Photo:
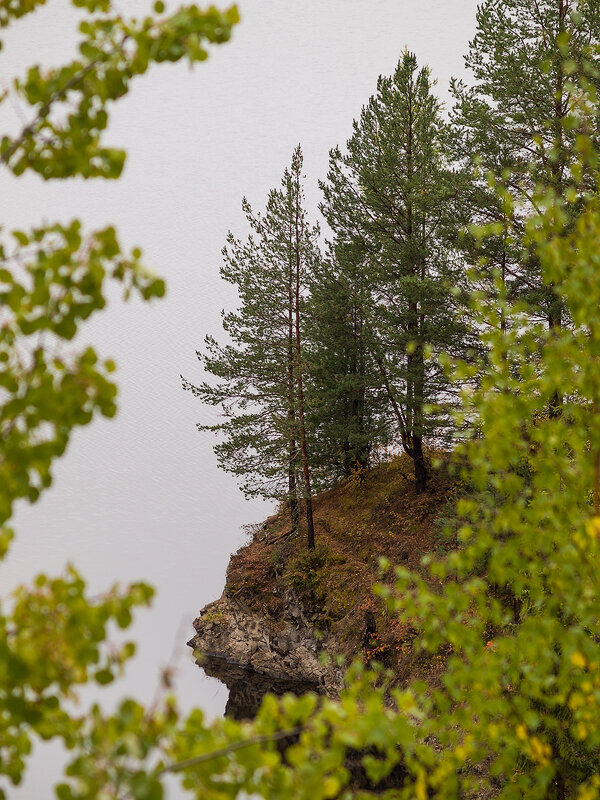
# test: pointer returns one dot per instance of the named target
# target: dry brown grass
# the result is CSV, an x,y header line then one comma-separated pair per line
x,y
369,516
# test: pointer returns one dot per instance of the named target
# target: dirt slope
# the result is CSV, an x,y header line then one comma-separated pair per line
x,y
369,516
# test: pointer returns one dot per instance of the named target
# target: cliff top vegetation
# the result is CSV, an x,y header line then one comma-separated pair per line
x,y
375,513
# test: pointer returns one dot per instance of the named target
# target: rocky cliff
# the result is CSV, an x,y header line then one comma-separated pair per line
x,y
285,650
285,607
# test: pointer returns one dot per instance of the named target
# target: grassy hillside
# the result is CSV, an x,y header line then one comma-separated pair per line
x,y
372,515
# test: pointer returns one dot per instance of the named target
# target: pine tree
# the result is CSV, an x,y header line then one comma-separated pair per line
x,y
303,257
530,60
390,198
260,372
347,409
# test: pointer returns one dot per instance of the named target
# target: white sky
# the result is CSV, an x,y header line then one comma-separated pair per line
x,y
140,496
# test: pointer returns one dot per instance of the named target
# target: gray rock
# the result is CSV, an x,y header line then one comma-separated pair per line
x,y
287,649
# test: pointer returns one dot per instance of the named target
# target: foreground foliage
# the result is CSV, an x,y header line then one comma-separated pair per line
x,y
517,713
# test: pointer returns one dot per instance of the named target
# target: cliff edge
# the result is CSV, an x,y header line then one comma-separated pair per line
x,y
284,607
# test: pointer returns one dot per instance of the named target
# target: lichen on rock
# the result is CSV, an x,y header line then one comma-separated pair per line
x,y
287,649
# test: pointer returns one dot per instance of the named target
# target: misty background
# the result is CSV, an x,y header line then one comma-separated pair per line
x,y
140,496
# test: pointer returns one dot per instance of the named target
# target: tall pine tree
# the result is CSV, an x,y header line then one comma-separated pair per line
x,y
347,407
259,373
389,199
531,63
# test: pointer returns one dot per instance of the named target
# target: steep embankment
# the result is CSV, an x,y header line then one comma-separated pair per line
x,y
283,606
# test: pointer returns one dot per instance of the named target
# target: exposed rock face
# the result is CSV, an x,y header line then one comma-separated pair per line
x,y
285,650
248,687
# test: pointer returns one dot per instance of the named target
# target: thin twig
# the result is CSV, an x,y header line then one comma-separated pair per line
x,y
231,748
45,110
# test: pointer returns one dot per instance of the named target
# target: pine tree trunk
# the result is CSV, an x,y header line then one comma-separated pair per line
x,y
299,382
559,783
306,471
292,493
416,374
350,415
292,488
362,456
303,447
416,363
421,473
555,307
346,447
554,324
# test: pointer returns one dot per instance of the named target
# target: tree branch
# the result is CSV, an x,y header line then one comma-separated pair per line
x,y
179,766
